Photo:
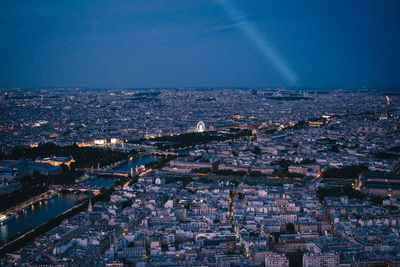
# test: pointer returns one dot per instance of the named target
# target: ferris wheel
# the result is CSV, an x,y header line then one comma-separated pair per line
x,y
200,127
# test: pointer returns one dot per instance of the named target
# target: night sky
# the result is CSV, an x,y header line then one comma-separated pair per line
x,y
186,43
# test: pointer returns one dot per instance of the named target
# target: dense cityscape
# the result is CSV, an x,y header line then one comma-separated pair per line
x,y
199,177
212,133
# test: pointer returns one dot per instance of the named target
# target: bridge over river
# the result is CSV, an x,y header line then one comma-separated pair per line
x,y
81,188
108,172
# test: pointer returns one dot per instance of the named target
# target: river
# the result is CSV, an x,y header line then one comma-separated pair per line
x,y
43,211
39,213
137,161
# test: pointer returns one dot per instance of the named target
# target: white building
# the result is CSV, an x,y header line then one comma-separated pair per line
x,y
276,260
325,259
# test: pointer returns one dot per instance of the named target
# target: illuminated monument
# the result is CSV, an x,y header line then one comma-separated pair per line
x,y
200,127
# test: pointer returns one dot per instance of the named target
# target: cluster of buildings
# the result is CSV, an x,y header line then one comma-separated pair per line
x,y
307,151
247,202
166,220
364,233
274,221
152,223
70,115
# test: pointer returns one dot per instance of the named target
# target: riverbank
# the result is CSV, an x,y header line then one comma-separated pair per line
x,y
124,164
29,236
18,208
43,228
38,213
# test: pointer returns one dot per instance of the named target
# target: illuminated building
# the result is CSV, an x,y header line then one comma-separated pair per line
x,y
57,161
380,183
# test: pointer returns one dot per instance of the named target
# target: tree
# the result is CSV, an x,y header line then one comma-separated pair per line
x,y
395,149
385,155
290,229
334,148
276,236
346,172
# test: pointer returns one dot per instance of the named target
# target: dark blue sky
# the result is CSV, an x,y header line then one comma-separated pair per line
x,y
203,43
